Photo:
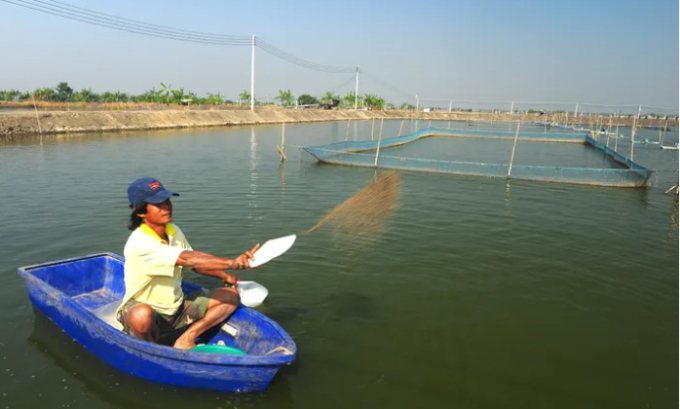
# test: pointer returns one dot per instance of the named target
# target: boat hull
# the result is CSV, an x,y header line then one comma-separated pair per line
x,y
161,363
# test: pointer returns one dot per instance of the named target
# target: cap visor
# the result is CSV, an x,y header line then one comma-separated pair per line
x,y
160,197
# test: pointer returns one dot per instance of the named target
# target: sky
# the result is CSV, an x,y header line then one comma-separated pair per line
x,y
595,51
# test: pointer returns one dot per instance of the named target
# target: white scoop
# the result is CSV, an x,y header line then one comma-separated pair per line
x,y
272,249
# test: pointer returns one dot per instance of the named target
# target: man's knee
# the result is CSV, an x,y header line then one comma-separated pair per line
x,y
140,318
227,295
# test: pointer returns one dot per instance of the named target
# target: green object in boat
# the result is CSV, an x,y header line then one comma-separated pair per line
x,y
218,349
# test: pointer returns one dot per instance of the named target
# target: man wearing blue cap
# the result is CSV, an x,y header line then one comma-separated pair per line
x,y
155,308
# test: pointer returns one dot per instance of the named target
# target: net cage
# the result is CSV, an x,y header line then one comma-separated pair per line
x,y
621,171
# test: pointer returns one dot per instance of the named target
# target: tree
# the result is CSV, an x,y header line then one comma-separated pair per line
x,y
10,95
215,99
328,98
121,97
86,95
244,96
349,99
373,101
63,92
177,95
43,94
166,91
306,99
286,97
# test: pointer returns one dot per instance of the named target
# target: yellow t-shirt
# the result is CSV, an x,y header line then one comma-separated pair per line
x,y
151,276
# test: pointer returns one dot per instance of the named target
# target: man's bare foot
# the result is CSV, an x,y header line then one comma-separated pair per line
x,y
184,343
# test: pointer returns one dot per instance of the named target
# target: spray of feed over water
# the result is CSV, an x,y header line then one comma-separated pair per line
x,y
362,216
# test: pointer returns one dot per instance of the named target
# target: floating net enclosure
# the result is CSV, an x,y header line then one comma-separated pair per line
x,y
602,167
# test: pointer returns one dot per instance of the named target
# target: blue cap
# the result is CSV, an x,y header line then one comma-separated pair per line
x,y
149,190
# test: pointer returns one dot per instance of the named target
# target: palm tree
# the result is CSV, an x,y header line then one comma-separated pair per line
x,y
373,101
165,91
286,97
244,96
349,99
215,99
328,97
177,95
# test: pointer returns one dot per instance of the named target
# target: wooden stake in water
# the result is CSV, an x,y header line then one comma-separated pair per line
x,y
401,127
512,155
616,142
377,151
662,135
372,127
632,133
282,154
36,116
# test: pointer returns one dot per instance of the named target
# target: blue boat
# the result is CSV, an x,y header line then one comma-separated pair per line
x,y
71,292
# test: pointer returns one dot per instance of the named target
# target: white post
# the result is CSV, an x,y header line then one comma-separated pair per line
x,y
512,156
576,110
512,107
417,103
632,133
450,105
377,151
252,76
356,90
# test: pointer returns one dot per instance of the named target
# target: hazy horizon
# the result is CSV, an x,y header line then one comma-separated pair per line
x,y
611,52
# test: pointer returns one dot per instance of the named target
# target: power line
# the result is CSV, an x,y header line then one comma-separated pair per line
x,y
60,9
379,81
109,23
350,79
150,25
277,52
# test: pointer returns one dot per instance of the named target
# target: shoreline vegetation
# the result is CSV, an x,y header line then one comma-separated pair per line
x,y
61,110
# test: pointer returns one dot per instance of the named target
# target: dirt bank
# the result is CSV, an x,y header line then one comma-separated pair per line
x,y
14,125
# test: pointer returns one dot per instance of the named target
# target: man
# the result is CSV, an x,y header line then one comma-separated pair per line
x,y
154,307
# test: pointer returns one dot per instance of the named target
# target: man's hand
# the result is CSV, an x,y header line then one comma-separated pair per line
x,y
242,262
230,280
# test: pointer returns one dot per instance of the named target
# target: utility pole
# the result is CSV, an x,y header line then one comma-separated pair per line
x,y
356,90
252,77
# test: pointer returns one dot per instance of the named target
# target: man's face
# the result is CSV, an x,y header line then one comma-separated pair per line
x,y
159,213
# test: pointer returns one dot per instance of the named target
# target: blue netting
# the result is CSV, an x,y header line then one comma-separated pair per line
x,y
363,153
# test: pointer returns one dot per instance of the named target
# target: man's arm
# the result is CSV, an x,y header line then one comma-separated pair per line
x,y
204,261
228,279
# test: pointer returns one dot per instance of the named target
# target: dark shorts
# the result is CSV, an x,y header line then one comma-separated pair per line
x,y
170,327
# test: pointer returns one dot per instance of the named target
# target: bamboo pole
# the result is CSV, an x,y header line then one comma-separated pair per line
x,y
609,131
401,127
632,139
372,127
512,155
377,151
36,116
282,154
665,126
616,142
